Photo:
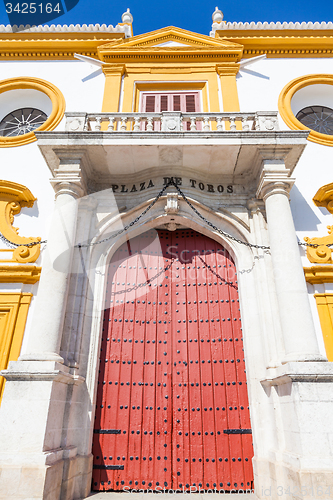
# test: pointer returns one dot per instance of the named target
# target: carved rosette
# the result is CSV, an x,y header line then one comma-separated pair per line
x,y
13,197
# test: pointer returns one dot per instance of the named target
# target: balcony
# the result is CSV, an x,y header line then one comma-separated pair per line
x,y
227,147
172,121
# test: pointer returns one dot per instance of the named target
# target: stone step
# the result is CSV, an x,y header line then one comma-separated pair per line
x,y
115,495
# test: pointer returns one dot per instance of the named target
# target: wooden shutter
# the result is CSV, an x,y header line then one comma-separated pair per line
x,y
150,104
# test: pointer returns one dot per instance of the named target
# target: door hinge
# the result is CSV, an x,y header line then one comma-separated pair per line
x,y
237,431
109,467
107,431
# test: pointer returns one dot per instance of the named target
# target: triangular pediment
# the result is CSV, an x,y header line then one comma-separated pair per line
x,y
175,42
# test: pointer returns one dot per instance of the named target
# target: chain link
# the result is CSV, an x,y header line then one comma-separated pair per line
x,y
145,283
125,228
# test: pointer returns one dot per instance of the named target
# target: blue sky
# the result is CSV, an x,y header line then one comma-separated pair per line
x,y
194,15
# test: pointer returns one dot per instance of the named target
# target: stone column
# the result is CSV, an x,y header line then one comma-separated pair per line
x,y
45,336
298,330
33,423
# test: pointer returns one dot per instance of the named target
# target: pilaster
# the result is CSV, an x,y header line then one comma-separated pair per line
x,y
113,76
227,73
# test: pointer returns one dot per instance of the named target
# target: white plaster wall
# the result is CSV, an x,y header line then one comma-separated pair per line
x,y
82,85
83,89
259,87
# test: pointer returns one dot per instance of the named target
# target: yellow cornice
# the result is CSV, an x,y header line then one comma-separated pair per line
x,y
274,43
318,274
282,43
31,46
27,274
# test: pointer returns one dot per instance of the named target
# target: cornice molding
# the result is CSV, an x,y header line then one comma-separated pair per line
x,y
26,274
277,43
318,274
194,48
53,45
266,26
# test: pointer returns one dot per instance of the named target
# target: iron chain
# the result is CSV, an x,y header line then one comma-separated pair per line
x,y
132,223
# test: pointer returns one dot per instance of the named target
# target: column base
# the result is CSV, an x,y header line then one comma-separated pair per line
x,y
42,356
294,357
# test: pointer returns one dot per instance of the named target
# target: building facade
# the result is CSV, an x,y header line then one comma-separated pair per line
x,y
166,271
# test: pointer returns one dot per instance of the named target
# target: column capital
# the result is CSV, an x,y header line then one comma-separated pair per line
x,y
70,176
114,69
227,69
274,179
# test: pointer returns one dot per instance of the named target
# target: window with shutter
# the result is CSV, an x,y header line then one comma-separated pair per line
x,y
186,102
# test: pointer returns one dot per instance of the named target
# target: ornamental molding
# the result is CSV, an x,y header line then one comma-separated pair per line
x,y
53,93
69,177
324,197
153,47
274,180
26,274
321,253
284,105
318,274
71,28
13,197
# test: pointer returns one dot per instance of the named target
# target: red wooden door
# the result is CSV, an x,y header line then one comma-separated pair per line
x,y
172,406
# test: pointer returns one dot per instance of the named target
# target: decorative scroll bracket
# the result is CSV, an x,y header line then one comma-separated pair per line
x,y
13,197
322,254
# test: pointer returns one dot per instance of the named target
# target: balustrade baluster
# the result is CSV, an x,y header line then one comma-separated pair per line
x,y
98,123
111,124
219,124
206,126
245,124
193,126
150,126
137,120
232,124
123,124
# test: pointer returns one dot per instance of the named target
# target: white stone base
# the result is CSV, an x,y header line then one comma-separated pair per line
x,y
64,480
275,481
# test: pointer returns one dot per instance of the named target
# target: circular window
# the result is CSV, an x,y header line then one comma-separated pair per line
x,y
318,118
21,121
298,111
28,104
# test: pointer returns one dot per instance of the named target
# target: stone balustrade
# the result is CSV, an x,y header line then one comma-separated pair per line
x,y
172,121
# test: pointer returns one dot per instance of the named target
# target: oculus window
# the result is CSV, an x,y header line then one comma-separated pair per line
x,y
21,121
318,118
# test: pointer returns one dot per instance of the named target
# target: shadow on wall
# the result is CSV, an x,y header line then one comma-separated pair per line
x,y
304,217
